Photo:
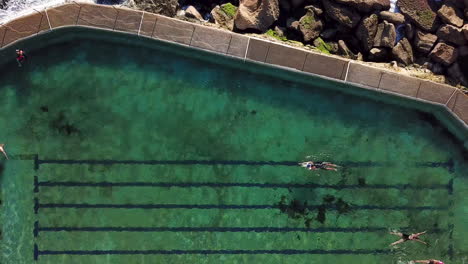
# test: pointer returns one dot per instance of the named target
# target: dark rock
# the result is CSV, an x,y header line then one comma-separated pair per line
x,y
256,14
409,31
222,19
192,12
450,14
296,3
378,54
395,18
310,26
292,24
366,31
437,68
420,12
344,50
3,3
465,31
463,51
342,14
456,73
423,42
333,47
367,5
444,53
451,34
163,7
314,8
403,52
328,33
385,36
285,5
456,3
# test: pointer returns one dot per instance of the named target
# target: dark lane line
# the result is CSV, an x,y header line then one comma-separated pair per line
x,y
223,206
239,184
445,164
38,252
37,230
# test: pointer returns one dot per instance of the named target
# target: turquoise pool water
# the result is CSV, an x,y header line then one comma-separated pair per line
x,y
134,151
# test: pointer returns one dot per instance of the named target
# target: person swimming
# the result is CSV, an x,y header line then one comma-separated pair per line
x,y
20,57
406,237
310,165
429,261
2,149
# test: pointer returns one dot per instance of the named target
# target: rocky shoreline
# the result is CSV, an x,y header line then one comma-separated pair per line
x,y
426,38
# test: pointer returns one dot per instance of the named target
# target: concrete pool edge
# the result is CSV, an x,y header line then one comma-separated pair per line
x,y
245,48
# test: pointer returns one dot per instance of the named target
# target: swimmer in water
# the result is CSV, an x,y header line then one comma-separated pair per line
x,y
20,57
3,150
310,165
406,237
429,261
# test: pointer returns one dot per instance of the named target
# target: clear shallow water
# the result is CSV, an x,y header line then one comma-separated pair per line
x,y
218,145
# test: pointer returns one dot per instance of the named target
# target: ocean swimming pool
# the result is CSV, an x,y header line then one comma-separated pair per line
x,y
133,151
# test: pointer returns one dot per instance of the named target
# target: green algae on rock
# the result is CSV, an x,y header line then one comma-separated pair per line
x,y
274,34
229,9
420,12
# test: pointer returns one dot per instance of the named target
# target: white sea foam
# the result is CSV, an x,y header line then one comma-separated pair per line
x,y
17,8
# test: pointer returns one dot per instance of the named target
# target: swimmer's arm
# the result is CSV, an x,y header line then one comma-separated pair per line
x,y
422,233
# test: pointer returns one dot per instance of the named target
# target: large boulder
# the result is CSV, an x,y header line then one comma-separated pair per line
x,y
192,12
342,14
385,36
451,34
163,7
457,74
310,26
345,51
314,8
378,54
450,14
366,31
444,53
256,14
395,18
367,5
423,42
409,31
421,12
224,16
465,30
403,52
